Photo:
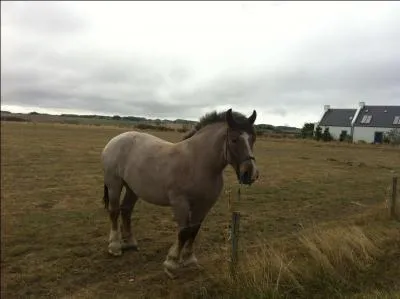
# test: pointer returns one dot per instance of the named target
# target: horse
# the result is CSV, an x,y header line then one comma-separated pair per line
x,y
186,176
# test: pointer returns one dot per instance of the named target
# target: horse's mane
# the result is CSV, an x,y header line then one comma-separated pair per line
x,y
211,118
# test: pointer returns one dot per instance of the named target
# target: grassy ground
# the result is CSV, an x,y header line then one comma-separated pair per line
x,y
314,226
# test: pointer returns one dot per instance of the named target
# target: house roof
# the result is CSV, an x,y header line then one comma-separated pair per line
x,y
337,117
378,116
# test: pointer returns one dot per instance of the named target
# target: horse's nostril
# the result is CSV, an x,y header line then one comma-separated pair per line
x,y
246,177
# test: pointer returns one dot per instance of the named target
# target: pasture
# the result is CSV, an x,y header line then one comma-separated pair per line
x,y
314,225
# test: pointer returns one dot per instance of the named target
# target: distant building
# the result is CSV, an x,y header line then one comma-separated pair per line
x,y
337,120
367,123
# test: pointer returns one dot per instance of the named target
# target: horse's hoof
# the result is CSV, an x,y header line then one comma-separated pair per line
x,y
192,261
171,265
114,253
170,274
115,249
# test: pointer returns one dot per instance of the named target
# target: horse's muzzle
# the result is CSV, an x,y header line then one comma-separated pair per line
x,y
248,173
247,179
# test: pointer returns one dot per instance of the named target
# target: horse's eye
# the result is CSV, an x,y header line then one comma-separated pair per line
x,y
234,140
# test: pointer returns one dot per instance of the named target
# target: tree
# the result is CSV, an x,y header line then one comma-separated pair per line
x,y
307,131
318,133
343,136
326,136
393,137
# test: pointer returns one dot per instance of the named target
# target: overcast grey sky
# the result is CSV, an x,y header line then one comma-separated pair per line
x,y
182,59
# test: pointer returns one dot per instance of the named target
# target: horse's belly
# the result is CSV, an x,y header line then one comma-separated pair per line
x,y
159,201
154,197
151,193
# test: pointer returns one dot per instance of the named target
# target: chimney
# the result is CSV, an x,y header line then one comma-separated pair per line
x,y
361,104
327,107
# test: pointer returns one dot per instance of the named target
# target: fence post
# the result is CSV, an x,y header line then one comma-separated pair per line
x,y
234,237
393,213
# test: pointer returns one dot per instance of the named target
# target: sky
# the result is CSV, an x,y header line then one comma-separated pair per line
x,y
169,60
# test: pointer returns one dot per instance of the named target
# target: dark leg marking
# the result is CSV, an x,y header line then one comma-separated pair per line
x,y
184,235
127,205
114,246
195,231
106,199
190,240
114,213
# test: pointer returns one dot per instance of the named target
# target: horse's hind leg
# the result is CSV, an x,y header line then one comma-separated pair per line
x,y
114,188
127,205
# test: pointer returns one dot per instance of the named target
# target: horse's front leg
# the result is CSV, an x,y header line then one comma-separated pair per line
x,y
197,216
188,256
181,211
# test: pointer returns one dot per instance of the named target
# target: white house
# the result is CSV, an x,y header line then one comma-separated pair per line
x,y
367,123
371,122
337,120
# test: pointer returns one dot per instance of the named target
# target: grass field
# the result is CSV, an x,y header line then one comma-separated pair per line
x,y
314,226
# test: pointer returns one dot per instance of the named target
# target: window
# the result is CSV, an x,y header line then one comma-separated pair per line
x,y
366,119
396,120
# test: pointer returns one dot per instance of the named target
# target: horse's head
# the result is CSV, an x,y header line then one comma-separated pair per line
x,y
239,147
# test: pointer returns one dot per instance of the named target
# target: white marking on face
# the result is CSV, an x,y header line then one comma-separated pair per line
x,y
246,137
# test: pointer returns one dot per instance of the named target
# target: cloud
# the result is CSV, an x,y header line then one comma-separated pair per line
x,y
51,18
176,60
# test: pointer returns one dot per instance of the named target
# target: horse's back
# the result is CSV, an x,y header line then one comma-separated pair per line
x,y
120,146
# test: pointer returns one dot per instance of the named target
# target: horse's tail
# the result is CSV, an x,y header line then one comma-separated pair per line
x,y
105,197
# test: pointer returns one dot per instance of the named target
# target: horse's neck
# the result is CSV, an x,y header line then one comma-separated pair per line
x,y
209,144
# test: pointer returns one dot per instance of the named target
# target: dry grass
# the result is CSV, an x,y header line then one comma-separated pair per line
x,y
336,263
315,225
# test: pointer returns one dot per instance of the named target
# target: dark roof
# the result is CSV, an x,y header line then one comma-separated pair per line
x,y
381,116
338,117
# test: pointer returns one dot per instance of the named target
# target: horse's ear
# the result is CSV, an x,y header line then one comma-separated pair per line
x,y
229,119
253,117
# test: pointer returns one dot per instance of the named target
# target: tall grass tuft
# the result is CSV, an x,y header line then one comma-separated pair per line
x,y
323,264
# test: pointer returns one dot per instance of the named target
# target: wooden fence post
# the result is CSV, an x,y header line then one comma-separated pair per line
x,y
234,237
393,213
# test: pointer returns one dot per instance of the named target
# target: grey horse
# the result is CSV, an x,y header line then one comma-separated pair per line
x,y
186,176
